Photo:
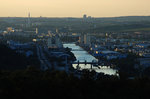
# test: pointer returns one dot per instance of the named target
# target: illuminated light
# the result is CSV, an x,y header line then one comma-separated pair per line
x,y
74,34
116,49
96,46
140,54
96,52
106,34
34,40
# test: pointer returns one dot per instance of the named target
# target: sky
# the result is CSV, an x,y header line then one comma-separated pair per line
x,y
74,8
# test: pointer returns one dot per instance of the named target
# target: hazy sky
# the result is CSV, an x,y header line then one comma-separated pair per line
x,y
74,8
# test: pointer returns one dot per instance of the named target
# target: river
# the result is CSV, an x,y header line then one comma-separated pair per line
x,y
83,55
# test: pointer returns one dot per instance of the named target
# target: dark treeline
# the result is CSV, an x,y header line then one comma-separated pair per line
x,y
10,60
32,83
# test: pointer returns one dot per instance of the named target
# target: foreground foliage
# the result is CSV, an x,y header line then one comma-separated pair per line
x,y
32,83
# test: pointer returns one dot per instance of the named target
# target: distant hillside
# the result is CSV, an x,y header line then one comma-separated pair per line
x,y
127,18
108,24
130,27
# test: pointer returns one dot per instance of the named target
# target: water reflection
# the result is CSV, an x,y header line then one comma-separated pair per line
x,y
82,55
99,69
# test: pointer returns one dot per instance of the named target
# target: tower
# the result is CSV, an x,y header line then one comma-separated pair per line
x,y
29,21
106,37
36,30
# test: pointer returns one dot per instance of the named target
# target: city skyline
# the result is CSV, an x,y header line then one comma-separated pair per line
x,y
74,8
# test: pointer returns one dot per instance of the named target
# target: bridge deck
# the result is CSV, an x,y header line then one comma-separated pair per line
x,y
85,62
77,50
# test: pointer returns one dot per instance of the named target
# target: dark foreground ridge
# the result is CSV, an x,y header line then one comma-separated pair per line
x,y
34,84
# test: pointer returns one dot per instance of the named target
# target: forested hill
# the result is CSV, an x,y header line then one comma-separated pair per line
x,y
34,84
10,60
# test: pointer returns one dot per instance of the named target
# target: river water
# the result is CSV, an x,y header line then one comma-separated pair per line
x,y
83,55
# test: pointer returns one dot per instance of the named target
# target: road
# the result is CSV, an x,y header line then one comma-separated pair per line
x,y
45,64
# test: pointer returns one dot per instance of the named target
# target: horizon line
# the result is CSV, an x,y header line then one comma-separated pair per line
x,y
70,17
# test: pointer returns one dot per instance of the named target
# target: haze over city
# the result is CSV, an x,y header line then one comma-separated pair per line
x,y
74,8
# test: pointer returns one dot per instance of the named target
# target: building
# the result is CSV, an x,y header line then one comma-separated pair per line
x,y
81,39
144,62
85,39
10,29
143,45
84,16
57,31
89,17
109,54
54,41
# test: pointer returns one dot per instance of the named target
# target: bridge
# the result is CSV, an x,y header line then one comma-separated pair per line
x,y
77,50
93,63
85,62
